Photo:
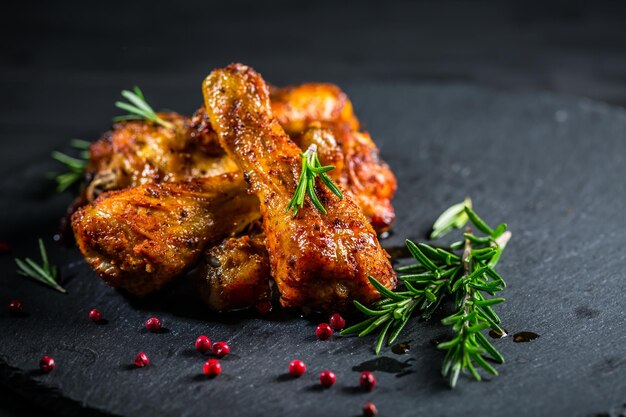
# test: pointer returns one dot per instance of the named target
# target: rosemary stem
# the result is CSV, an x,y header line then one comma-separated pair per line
x,y
437,273
467,269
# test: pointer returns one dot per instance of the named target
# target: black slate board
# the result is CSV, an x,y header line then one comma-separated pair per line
x,y
552,167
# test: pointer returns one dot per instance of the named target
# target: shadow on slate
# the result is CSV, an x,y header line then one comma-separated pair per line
x,y
552,167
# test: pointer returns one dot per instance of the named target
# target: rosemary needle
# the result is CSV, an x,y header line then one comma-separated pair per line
x,y
312,168
138,108
75,166
44,273
454,217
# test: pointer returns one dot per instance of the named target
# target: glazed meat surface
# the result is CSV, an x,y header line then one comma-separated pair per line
x,y
235,274
297,107
139,152
142,237
319,261
366,177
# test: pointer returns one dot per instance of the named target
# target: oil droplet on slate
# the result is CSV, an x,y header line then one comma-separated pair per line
x,y
441,338
524,337
384,364
401,348
497,335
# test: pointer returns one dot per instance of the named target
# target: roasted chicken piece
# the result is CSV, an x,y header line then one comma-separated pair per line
x,y
138,152
142,237
299,108
364,175
216,282
320,261
311,114
235,274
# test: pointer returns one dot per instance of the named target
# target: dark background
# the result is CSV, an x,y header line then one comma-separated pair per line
x,y
79,55
571,47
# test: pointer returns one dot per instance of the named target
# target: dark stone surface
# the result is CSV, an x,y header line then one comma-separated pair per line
x,y
552,167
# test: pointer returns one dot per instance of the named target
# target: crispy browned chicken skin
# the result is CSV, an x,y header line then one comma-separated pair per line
x,y
235,274
244,271
297,107
139,152
319,261
243,263
141,238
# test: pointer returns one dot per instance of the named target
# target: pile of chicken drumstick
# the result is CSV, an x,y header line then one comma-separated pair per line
x,y
213,190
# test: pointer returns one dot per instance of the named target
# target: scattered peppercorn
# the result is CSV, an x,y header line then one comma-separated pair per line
x,y
141,360
369,410
367,380
220,349
327,378
46,364
153,324
337,322
212,368
203,344
323,331
15,308
297,368
95,315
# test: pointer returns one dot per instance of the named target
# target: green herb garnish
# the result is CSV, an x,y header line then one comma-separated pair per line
x,y
44,273
138,108
453,218
312,168
75,166
466,277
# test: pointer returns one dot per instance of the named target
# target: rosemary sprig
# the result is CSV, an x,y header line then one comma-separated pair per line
x,y
468,277
44,273
311,168
138,108
474,313
75,166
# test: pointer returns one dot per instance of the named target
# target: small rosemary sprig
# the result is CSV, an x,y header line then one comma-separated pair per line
x,y
474,313
138,108
467,277
311,168
75,166
44,273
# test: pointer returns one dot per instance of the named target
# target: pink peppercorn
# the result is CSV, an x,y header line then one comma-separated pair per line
x,y
327,378
323,331
297,368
